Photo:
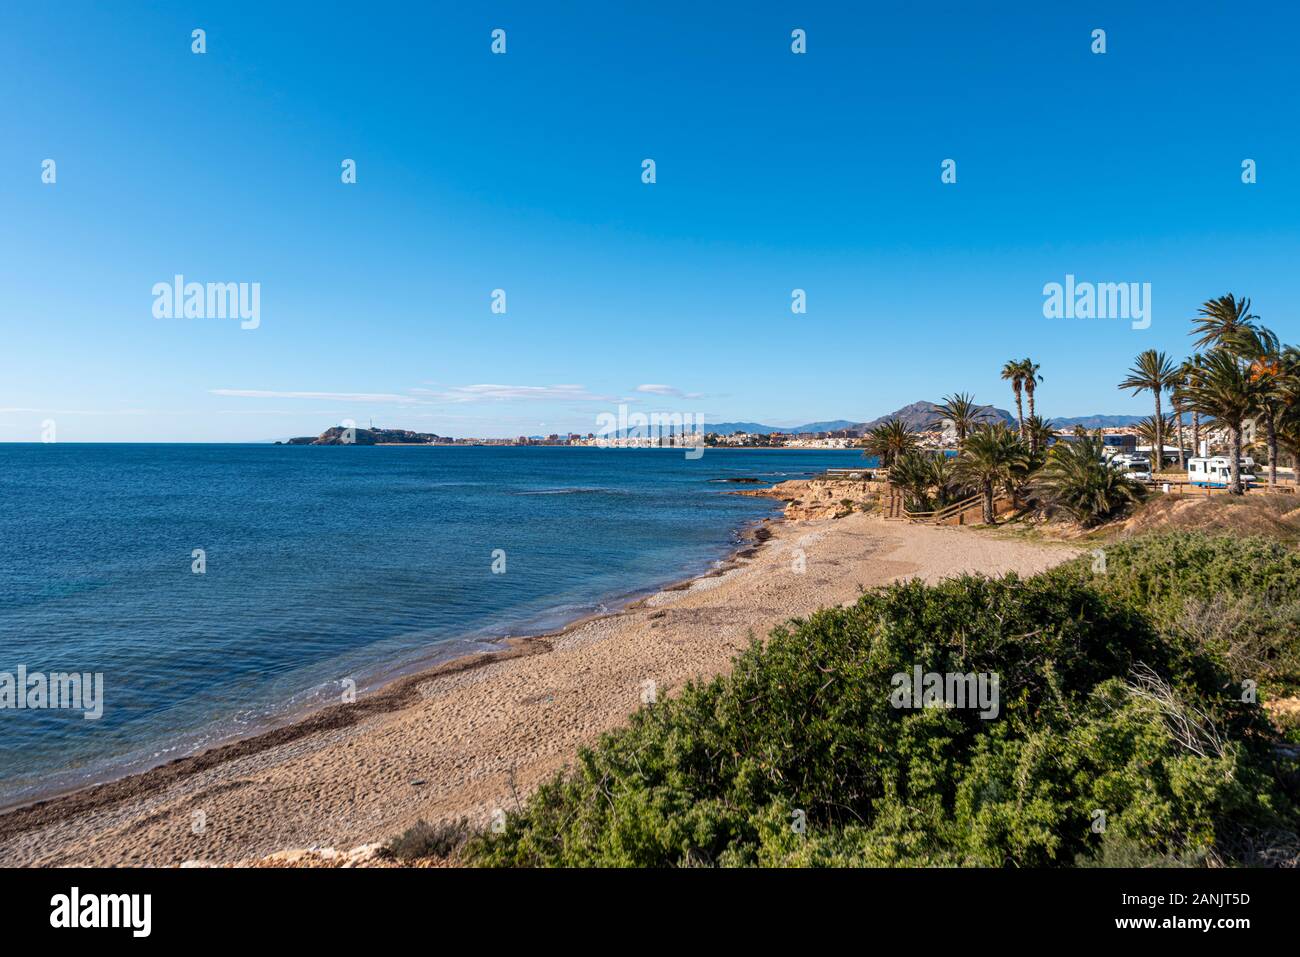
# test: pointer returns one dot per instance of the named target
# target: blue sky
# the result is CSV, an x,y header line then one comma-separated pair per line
x,y
523,172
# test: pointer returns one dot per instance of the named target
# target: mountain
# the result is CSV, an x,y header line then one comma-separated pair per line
x,y
923,416
726,428
920,416
1098,421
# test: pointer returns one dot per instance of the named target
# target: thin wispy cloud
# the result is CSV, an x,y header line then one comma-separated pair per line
x,y
464,394
507,393
27,411
669,390
282,411
329,396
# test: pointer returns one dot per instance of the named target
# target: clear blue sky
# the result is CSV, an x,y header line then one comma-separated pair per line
x,y
523,172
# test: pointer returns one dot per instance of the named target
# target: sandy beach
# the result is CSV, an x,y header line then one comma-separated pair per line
x,y
478,734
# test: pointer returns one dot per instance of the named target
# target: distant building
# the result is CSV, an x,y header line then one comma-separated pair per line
x,y
1119,442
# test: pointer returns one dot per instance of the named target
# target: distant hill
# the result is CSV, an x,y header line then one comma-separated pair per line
x,y
1098,421
726,428
923,415
920,416
339,436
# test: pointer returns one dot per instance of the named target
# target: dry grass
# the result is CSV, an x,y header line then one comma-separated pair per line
x,y
1272,516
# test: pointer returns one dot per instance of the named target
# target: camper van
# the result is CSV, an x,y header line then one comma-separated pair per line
x,y
1216,472
1133,465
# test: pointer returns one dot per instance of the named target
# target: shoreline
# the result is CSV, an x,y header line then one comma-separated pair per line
x,y
472,734
385,689
387,695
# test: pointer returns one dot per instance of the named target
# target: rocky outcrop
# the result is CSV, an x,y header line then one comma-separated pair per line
x,y
338,435
822,498
366,855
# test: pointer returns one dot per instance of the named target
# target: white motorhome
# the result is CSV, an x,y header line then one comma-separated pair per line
x,y
1134,466
1216,471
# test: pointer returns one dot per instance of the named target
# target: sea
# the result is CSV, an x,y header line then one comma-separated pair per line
x,y
222,590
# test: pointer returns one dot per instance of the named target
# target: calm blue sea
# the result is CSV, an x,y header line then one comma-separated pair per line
x,y
322,564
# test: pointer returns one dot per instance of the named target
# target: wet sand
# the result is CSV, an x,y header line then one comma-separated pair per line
x,y
479,733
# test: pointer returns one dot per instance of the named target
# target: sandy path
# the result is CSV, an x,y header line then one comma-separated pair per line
x,y
456,741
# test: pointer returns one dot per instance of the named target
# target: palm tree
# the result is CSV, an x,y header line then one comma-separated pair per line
x,y
1076,480
1269,368
911,473
943,479
889,440
1040,433
927,479
1014,372
1187,371
1176,400
1152,371
1288,425
963,412
1148,428
1032,378
992,456
1288,433
1226,389
1219,318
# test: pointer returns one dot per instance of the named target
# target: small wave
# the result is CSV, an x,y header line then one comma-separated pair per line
x,y
575,490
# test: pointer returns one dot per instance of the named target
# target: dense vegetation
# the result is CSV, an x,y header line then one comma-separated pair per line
x,y
1247,377
1112,710
1077,481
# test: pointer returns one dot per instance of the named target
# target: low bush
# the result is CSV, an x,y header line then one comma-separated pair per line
x,y
1234,599
799,757
424,840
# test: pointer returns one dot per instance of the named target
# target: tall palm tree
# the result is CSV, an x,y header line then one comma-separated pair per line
x,y
1288,435
1152,371
1219,318
1032,378
1014,372
992,456
963,412
1226,389
1288,429
1176,398
889,440
1269,368
1288,426
1187,371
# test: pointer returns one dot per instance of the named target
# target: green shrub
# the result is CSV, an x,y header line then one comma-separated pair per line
x,y
1237,600
1077,481
1099,711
